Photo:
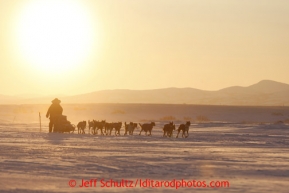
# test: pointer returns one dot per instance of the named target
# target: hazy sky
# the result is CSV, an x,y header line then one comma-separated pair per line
x,y
73,47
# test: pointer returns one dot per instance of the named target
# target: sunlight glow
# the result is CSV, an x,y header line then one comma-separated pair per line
x,y
55,35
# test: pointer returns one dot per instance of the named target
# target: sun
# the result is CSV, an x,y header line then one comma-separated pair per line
x,y
54,35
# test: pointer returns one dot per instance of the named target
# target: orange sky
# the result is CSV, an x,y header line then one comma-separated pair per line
x,y
72,47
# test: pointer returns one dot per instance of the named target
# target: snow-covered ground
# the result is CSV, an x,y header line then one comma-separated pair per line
x,y
239,147
250,157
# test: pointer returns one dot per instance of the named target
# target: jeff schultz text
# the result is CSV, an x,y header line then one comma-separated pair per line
x,y
149,183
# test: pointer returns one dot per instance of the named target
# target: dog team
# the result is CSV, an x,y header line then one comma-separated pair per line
x,y
105,128
59,123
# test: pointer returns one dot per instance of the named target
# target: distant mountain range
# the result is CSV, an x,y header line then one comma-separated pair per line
x,y
264,93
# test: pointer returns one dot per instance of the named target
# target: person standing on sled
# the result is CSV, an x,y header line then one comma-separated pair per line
x,y
54,110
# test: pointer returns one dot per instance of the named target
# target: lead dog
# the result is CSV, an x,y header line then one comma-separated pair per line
x,y
185,129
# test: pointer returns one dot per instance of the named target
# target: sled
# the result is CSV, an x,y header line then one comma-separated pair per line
x,y
62,125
